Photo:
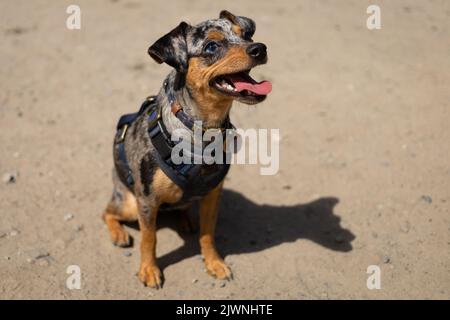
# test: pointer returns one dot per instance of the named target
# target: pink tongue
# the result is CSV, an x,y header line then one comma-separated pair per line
x,y
247,83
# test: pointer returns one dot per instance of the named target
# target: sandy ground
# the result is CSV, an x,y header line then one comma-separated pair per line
x,y
364,174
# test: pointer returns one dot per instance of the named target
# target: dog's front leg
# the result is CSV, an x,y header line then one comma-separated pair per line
x,y
149,272
208,216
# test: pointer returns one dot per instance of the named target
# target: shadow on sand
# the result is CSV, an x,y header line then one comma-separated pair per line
x,y
244,226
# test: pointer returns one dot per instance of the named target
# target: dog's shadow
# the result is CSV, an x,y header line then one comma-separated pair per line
x,y
244,226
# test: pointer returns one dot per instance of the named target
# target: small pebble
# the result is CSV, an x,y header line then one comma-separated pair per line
x,y
10,177
38,255
427,199
14,232
79,227
405,227
223,284
42,255
127,254
43,262
194,280
68,216
287,187
386,259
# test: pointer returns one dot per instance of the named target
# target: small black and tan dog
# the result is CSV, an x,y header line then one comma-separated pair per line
x,y
211,62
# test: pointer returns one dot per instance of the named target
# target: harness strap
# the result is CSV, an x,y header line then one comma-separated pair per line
x,y
128,119
122,167
121,162
193,179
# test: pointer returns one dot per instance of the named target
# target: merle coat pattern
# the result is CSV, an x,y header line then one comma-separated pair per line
x,y
183,48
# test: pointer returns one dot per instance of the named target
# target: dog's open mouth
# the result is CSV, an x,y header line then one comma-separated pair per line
x,y
242,86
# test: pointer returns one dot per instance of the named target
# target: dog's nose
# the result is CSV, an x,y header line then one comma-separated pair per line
x,y
257,51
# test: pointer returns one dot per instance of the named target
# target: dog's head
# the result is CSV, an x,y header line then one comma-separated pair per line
x,y
215,57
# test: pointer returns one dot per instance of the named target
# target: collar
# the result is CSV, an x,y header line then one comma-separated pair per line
x,y
185,118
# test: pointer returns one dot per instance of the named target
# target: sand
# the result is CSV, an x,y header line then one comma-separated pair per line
x,y
364,173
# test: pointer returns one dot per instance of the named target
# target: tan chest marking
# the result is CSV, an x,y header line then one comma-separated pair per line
x,y
165,189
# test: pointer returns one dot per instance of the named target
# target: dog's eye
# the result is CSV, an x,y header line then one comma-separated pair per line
x,y
211,47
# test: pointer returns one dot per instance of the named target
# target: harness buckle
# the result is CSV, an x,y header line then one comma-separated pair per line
x,y
123,133
154,121
151,98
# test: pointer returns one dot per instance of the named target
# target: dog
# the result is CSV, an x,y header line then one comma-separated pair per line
x,y
211,62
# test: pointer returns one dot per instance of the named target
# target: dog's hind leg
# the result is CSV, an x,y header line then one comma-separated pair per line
x,y
121,207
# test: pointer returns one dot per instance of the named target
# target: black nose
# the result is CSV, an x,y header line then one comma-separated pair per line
x,y
257,51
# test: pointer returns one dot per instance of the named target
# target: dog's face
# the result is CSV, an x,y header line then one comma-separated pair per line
x,y
216,57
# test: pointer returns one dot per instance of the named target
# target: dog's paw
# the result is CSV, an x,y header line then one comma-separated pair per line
x,y
150,276
217,268
120,237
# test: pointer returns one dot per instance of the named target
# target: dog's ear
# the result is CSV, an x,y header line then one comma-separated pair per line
x,y
246,25
172,48
224,14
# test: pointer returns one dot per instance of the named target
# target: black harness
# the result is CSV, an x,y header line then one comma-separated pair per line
x,y
195,180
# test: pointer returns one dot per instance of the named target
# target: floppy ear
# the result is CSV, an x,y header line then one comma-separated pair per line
x,y
172,48
247,25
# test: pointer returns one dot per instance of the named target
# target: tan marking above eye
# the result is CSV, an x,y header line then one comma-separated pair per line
x,y
237,29
215,35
